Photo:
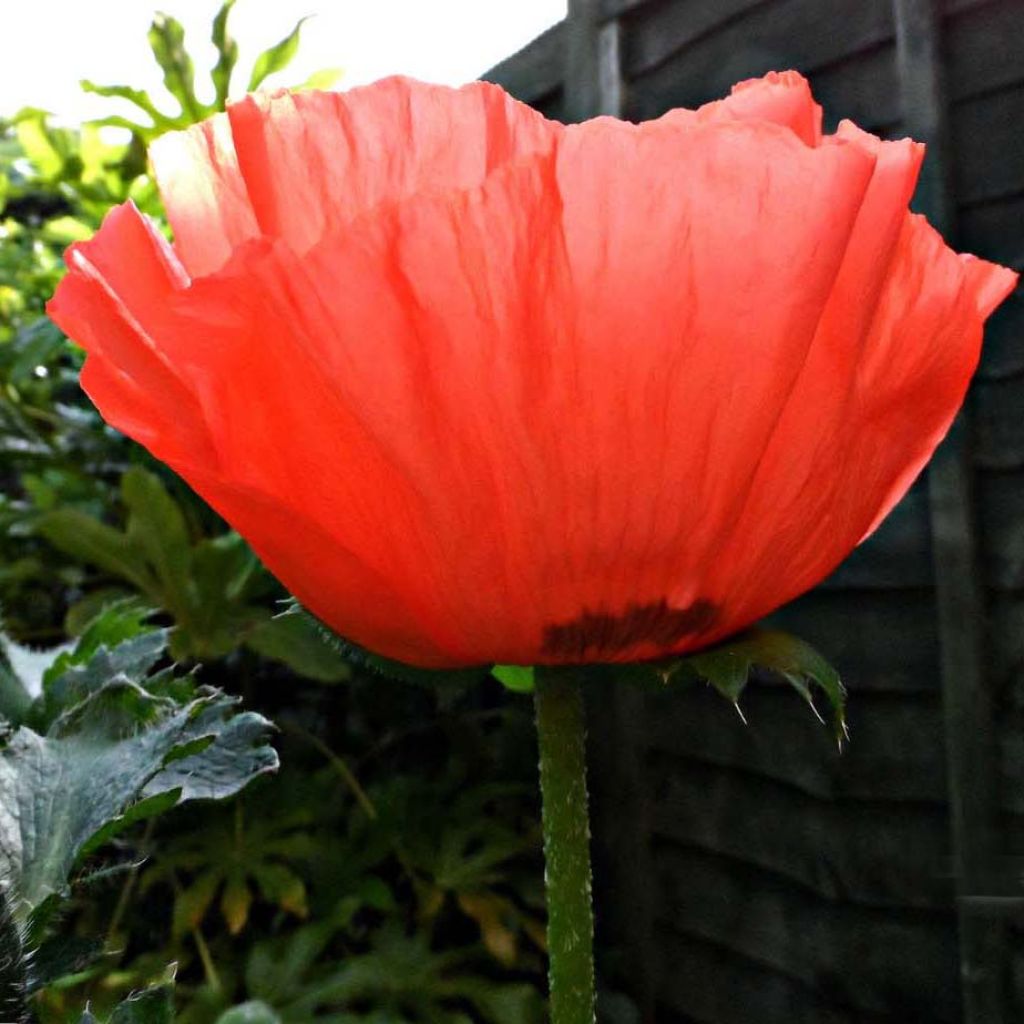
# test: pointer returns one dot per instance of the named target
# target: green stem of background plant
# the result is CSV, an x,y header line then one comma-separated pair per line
x,y
558,698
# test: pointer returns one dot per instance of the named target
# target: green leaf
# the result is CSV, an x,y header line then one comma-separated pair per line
x,y
21,677
297,642
253,1012
134,745
518,678
227,54
152,1006
167,41
192,903
325,78
94,605
93,542
276,57
139,97
156,528
728,666
386,667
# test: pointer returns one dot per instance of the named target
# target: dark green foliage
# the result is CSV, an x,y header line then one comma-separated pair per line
x,y
391,872
14,965
110,740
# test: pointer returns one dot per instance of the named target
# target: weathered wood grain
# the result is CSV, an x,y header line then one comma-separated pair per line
x,y
1001,537
983,48
999,422
874,962
789,33
988,146
863,89
709,984
536,70
881,641
897,555
872,855
895,751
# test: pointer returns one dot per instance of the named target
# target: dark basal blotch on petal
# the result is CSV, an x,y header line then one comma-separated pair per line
x,y
597,635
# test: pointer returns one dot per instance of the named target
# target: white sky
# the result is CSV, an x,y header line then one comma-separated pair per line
x,y
51,44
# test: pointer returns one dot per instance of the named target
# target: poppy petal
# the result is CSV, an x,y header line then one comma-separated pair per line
x,y
480,387
204,194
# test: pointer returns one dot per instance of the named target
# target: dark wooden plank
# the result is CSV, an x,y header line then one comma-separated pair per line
x,y
951,7
593,66
967,703
881,963
1003,353
708,984
662,29
999,423
1001,516
790,33
551,105
872,855
864,90
621,824
897,554
895,753
1006,647
534,71
615,8
994,230
983,48
988,146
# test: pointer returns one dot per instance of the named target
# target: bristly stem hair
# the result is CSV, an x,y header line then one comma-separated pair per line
x,y
561,735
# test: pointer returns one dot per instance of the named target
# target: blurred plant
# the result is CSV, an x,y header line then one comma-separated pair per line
x,y
100,736
388,874
210,586
167,42
56,185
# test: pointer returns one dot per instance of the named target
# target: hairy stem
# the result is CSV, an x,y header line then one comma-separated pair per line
x,y
561,734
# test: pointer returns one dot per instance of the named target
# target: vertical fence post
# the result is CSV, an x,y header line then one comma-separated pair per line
x,y
622,855
967,700
593,68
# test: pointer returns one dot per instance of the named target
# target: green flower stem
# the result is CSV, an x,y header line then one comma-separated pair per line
x,y
558,698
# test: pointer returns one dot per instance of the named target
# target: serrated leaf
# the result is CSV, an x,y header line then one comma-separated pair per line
x,y
275,58
22,670
126,750
62,955
728,666
299,644
152,1006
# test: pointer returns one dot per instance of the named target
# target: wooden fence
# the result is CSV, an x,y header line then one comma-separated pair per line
x,y
750,875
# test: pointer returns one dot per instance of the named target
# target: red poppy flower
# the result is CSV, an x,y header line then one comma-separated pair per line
x,y
478,386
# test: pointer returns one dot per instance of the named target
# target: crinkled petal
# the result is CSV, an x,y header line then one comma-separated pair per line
x,y
481,388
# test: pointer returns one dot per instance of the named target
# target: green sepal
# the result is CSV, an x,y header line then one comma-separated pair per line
x,y
362,658
729,666
517,678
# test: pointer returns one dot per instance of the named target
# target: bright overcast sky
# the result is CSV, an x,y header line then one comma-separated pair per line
x,y
51,44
